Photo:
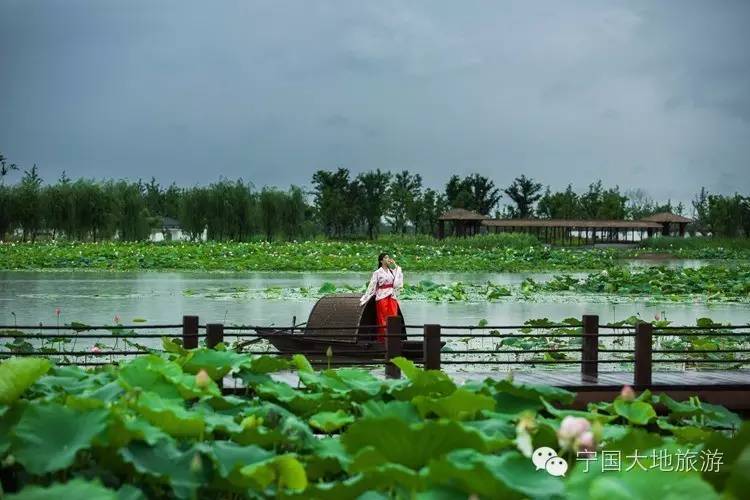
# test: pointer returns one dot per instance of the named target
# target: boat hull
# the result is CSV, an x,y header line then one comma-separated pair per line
x,y
315,347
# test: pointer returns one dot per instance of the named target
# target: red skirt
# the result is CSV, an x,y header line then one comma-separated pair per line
x,y
383,309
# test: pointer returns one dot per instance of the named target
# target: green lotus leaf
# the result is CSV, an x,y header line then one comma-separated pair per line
x,y
510,475
366,484
635,412
17,375
629,439
637,483
425,440
302,364
284,470
216,363
72,380
358,385
171,416
165,378
327,288
299,402
267,364
173,346
48,435
459,405
731,448
532,391
329,421
130,492
495,426
184,470
73,489
126,427
420,382
403,410
231,457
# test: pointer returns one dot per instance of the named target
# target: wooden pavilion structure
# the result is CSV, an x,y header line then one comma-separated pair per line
x,y
462,222
668,221
571,230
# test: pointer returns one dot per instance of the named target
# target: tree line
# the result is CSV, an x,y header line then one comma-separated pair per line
x,y
338,205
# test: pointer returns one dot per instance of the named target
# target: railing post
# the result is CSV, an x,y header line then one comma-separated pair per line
x,y
394,328
214,334
431,347
190,332
590,348
643,355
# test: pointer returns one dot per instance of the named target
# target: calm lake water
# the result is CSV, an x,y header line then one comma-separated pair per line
x,y
159,297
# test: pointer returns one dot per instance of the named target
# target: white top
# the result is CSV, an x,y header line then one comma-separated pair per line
x,y
383,277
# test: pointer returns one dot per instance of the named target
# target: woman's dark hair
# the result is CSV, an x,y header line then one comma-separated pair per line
x,y
380,259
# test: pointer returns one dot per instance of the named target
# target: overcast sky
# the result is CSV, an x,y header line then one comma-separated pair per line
x,y
641,94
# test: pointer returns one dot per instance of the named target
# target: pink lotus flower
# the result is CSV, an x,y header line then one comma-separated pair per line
x,y
57,311
95,349
627,393
571,429
657,317
586,442
117,319
202,379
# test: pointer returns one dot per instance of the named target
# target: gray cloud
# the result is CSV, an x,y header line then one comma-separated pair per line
x,y
641,94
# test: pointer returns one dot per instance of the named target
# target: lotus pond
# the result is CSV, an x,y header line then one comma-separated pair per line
x,y
159,426
488,253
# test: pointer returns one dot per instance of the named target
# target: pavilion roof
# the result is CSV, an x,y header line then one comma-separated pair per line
x,y
462,214
574,223
667,217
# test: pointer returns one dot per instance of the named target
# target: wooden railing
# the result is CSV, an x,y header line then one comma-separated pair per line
x,y
433,356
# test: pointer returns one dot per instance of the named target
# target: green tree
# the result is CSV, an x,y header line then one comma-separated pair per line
x,y
559,205
430,207
373,196
405,190
59,207
524,192
294,213
272,203
474,192
335,199
28,203
5,168
133,218
193,210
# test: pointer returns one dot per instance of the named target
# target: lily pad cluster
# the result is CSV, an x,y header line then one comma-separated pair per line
x,y
712,282
486,253
160,427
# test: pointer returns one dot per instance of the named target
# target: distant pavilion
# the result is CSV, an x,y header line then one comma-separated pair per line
x,y
468,223
462,222
668,221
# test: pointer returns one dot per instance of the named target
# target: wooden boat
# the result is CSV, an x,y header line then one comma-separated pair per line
x,y
339,322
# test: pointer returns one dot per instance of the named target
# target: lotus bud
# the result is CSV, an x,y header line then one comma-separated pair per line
x,y
627,393
252,422
570,429
202,379
329,352
526,424
657,317
196,464
586,441
57,311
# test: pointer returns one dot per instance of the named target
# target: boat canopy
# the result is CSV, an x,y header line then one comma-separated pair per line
x,y
341,317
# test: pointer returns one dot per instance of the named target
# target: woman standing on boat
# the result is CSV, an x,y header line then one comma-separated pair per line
x,y
384,285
